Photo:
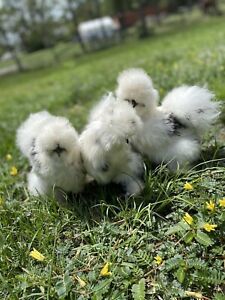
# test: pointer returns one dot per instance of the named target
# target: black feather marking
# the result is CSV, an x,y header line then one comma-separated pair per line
x,y
33,151
81,158
134,103
200,111
105,167
34,156
174,125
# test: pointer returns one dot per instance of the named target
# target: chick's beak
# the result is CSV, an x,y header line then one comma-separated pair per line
x,y
58,150
132,102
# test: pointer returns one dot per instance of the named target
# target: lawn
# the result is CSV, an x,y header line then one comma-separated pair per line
x,y
152,252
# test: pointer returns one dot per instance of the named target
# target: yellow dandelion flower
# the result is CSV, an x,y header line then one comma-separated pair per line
x,y
209,227
222,202
210,205
8,157
195,295
158,259
187,218
37,255
188,186
13,171
105,270
81,282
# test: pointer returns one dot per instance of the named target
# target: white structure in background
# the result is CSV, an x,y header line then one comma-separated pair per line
x,y
99,32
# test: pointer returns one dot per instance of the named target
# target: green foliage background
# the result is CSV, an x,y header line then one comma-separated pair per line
x,y
98,226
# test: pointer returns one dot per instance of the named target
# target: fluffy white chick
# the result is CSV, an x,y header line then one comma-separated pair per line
x,y
171,132
106,150
54,154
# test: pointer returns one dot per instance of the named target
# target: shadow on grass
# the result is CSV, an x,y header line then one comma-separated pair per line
x,y
97,202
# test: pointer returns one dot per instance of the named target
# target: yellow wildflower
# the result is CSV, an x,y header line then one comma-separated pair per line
x,y
158,259
105,270
210,205
209,227
187,218
195,295
81,282
8,156
13,171
37,255
222,202
188,186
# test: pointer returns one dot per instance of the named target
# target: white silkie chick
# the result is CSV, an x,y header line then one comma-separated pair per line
x,y
171,132
52,147
105,145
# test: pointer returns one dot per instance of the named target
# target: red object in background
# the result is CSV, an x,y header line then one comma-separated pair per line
x,y
129,18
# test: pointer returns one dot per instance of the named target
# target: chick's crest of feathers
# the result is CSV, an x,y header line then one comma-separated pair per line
x,y
103,109
29,129
117,121
136,87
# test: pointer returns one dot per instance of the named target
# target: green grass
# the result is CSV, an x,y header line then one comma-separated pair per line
x,y
99,226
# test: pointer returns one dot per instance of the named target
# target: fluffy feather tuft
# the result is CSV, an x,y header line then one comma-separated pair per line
x,y
29,129
136,87
193,106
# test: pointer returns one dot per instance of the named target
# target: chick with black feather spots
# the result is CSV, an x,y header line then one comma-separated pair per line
x,y
171,133
106,151
51,144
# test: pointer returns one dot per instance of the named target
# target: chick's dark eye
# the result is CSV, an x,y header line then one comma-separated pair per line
x,y
134,103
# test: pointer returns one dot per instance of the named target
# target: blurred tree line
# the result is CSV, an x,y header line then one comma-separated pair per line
x,y
31,25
